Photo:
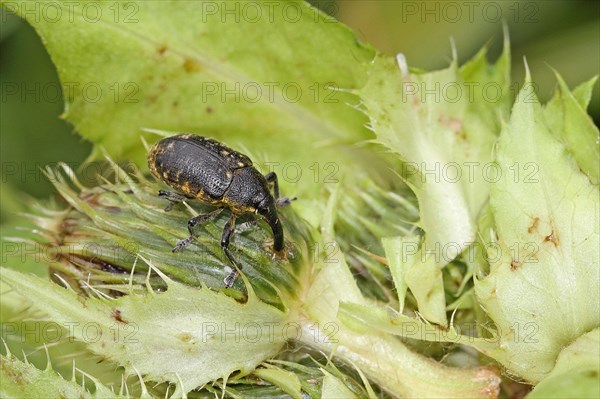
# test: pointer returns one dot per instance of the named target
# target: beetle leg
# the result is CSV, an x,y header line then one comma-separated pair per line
x,y
173,198
182,244
227,232
271,177
192,223
203,218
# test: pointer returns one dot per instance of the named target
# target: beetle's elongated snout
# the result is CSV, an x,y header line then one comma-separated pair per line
x,y
269,211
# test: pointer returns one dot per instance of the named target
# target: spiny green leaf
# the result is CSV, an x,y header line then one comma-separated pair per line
x,y
583,92
443,125
545,269
333,388
398,262
413,269
417,117
286,380
23,380
186,336
548,246
576,372
383,359
568,120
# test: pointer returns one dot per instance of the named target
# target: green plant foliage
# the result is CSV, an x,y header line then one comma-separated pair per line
x,y
568,120
575,374
236,79
543,256
184,325
432,121
22,379
400,240
539,287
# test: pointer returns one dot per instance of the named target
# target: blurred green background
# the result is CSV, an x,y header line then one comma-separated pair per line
x,y
564,35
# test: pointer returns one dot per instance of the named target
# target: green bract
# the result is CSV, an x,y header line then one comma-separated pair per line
x,y
543,254
454,223
443,128
161,316
23,379
185,336
545,267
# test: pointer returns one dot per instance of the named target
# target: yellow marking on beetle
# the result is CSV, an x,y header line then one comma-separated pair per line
x,y
237,207
228,174
186,188
154,151
224,152
240,164
203,197
152,160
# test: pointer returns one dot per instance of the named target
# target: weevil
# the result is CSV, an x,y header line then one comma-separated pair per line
x,y
206,170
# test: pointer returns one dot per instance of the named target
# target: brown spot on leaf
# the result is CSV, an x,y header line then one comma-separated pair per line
x,y
514,265
185,337
15,376
453,124
191,65
209,110
592,374
534,226
116,314
552,238
162,49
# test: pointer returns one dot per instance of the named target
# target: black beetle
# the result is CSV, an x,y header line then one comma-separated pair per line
x,y
204,169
